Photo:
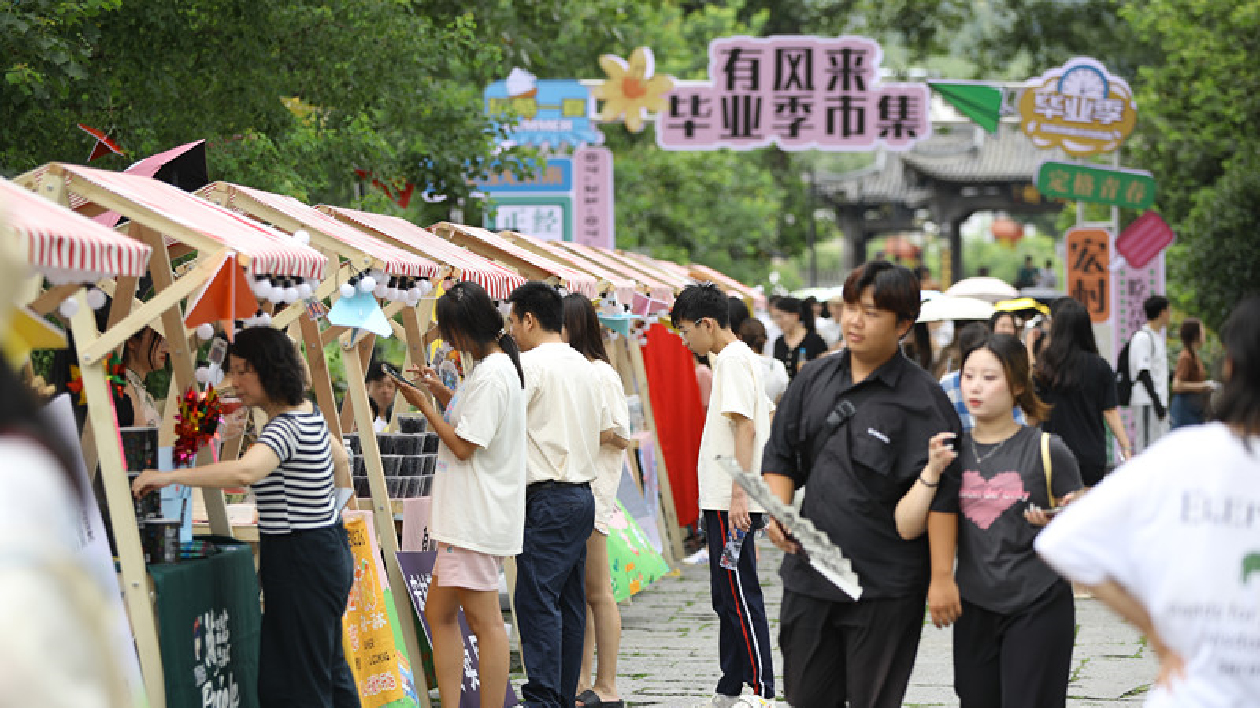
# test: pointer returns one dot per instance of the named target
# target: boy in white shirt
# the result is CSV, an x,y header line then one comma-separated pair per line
x,y
563,413
1148,365
737,425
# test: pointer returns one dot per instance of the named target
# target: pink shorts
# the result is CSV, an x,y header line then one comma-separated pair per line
x,y
461,568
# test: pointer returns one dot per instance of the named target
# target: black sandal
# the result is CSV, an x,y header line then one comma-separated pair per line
x,y
588,699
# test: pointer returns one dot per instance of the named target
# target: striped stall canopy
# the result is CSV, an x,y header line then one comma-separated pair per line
x,y
271,252
65,245
704,272
494,246
623,286
657,288
498,281
395,260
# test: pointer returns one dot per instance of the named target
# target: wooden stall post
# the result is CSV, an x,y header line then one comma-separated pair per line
x,y
134,582
321,381
382,510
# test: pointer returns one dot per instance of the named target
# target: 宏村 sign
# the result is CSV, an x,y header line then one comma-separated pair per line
x,y
1130,189
1088,274
797,92
1079,107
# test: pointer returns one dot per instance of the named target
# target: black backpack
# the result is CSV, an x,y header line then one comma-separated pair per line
x,y
1124,380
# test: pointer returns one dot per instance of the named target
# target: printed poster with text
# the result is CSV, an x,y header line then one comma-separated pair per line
x,y
367,634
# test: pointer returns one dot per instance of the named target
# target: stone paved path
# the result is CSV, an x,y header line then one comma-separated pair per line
x,y
669,649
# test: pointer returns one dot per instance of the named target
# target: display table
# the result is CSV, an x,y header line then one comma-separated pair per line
x,y
209,626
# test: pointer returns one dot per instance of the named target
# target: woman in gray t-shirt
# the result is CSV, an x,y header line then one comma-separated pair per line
x,y
1015,617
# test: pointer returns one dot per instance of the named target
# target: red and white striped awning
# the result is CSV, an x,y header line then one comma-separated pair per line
x,y
704,272
66,246
498,281
395,260
657,289
270,251
573,280
623,286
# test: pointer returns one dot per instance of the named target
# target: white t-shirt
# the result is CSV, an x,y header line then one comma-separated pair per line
x,y
615,416
737,389
775,377
479,503
1179,526
563,407
1149,351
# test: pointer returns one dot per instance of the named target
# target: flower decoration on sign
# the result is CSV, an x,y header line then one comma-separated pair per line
x,y
632,87
196,423
115,376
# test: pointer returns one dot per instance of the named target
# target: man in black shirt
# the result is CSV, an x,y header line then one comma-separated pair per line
x,y
853,428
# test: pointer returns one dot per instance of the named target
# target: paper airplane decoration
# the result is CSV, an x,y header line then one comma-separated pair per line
x,y
104,144
980,102
225,298
360,312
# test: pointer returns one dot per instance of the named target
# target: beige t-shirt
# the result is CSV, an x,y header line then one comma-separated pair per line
x,y
737,389
615,417
479,503
563,407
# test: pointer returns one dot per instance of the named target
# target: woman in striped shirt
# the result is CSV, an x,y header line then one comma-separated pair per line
x,y
305,567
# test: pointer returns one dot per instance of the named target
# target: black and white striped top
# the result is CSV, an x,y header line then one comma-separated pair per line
x,y
298,494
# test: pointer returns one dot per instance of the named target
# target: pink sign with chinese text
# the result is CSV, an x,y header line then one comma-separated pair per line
x,y
593,184
798,92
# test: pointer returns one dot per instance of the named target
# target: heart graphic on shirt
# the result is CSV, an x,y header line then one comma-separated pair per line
x,y
984,500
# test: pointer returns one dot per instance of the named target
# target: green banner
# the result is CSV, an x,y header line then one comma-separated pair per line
x,y
1130,189
209,625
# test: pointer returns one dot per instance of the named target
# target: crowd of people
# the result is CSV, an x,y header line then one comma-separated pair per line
x,y
993,495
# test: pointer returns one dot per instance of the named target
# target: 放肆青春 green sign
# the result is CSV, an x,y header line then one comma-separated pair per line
x,y
1130,189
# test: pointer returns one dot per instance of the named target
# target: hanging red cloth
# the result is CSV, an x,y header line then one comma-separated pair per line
x,y
671,375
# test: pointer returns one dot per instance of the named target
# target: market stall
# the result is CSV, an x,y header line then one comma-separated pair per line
x,y
215,243
623,287
657,289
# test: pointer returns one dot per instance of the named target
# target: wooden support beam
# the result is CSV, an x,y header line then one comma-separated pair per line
x,y
364,354
167,300
673,532
133,576
382,511
321,381
52,297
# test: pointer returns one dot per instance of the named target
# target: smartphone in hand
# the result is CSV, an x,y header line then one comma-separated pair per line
x,y
394,373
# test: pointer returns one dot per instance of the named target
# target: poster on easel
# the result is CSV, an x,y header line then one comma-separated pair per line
x,y
417,569
632,560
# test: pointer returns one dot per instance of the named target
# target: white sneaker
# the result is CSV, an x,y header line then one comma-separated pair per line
x,y
720,701
753,702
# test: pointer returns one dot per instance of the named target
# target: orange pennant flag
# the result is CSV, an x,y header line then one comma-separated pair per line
x,y
225,298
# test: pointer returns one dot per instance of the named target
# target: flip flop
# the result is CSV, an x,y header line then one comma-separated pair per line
x,y
588,699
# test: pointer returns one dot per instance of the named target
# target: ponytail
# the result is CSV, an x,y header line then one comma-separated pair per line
x,y
508,345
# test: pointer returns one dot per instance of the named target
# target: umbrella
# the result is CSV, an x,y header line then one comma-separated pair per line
x,y
1045,296
948,307
983,288
820,294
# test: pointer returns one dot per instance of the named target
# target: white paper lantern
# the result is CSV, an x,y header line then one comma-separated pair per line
x,y
68,308
305,290
261,287
203,374
347,290
291,294
263,320
302,237
275,294
380,289
96,298
205,331
425,287
367,284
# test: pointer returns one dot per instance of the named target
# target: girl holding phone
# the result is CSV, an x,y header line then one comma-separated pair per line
x,y
478,490
1014,617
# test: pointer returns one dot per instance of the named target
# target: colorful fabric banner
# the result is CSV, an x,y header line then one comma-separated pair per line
x,y
368,635
634,563
671,374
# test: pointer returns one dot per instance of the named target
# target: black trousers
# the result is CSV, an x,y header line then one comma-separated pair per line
x,y
1020,660
744,649
855,654
306,578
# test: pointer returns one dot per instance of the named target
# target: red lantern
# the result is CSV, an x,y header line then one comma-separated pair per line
x,y
1007,231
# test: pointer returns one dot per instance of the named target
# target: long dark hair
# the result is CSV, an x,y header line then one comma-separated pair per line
x,y
1191,328
1239,401
466,315
1071,343
582,324
798,308
274,357
1013,356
